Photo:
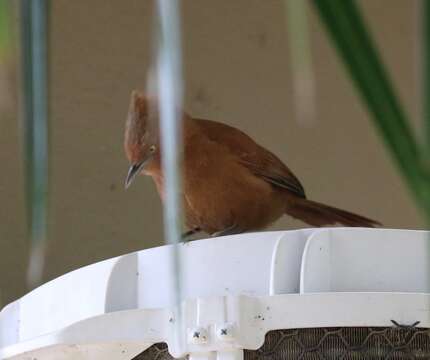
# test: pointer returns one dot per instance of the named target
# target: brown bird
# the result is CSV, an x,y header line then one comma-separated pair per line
x,y
230,183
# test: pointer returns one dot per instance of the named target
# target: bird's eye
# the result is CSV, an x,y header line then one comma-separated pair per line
x,y
152,148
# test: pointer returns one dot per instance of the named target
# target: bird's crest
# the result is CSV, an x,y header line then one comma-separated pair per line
x,y
141,124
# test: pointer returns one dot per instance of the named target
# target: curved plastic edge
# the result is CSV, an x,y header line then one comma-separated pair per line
x,y
303,261
131,331
286,262
362,259
250,318
105,351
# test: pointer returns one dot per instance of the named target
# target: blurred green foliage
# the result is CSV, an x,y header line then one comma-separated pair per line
x,y
301,61
5,28
426,74
350,35
34,51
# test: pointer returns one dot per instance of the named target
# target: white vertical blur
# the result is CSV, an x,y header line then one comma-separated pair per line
x,y
170,87
301,61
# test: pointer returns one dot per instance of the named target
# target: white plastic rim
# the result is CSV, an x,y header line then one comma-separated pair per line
x,y
252,283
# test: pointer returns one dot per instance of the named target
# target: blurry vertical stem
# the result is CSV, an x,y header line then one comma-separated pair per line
x,y
426,76
348,32
169,71
34,32
301,61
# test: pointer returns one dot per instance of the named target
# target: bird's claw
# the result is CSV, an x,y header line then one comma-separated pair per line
x,y
403,326
186,236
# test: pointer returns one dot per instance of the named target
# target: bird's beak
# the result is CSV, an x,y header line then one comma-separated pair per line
x,y
133,171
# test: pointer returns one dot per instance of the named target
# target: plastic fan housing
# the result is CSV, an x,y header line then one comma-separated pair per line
x,y
333,293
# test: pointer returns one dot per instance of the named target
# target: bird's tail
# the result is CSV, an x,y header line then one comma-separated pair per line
x,y
317,214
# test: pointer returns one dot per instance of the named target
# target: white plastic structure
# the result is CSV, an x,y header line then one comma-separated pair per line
x,y
235,290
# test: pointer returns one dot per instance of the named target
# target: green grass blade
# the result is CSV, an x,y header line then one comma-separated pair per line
x,y
34,33
426,76
349,34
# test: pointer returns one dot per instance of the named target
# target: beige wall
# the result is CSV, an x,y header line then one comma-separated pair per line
x,y
237,71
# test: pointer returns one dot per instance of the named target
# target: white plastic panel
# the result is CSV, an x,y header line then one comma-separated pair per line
x,y
127,330
251,282
134,331
102,351
240,264
64,301
229,265
9,324
348,259
286,262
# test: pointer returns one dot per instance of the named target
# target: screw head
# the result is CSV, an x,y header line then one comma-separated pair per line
x,y
225,332
197,336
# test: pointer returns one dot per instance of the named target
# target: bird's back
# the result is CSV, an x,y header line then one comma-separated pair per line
x,y
271,180
260,161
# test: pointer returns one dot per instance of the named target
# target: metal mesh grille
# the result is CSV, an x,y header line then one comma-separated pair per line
x,y
352,343
155,352
344,343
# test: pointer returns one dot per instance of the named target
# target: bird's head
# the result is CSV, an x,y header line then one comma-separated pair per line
x,y
141,141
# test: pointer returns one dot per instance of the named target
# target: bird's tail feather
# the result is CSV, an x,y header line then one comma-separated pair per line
x,y
317,214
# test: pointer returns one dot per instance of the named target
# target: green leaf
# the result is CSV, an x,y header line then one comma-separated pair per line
x,y
349,34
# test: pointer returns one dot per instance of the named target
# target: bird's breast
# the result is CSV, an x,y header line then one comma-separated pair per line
x,y
225,194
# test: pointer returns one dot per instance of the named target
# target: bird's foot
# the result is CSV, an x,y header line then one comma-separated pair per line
x,y
231,230
403,326
186,236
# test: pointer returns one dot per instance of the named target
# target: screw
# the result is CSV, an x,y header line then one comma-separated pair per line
x,y
197,336
225,332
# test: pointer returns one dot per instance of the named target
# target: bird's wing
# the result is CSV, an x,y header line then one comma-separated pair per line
x,y
257,159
